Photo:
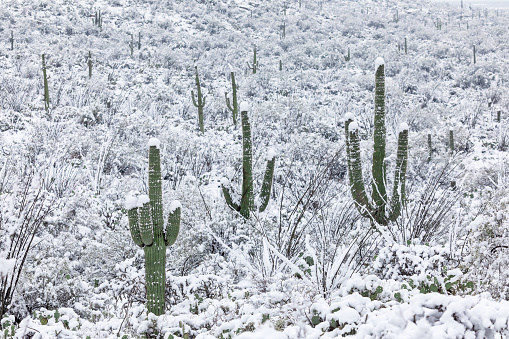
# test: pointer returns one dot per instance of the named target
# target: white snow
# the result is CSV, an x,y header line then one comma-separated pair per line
x,y
353,126
143,199
244,106
174,205
154,142
271,153
131,202
6,266
349,116
378,62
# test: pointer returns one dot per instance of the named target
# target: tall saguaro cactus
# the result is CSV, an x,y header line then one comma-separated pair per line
x,y
45,80
233,106
254,65
89,62
246,204
376,209
146,223
199,102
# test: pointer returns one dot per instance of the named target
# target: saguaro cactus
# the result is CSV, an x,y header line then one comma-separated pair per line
x,y
375,210
347,57
254,65
475,59
12,41
233,107
146,223
89,62
45,80
199,102
246,204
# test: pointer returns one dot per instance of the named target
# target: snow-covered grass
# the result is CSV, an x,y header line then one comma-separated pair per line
x,y
309,266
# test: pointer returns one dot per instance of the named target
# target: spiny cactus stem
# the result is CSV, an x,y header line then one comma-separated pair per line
x,y
379,194
247,200
233,106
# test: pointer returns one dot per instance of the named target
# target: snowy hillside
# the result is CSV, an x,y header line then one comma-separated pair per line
x,y
297,212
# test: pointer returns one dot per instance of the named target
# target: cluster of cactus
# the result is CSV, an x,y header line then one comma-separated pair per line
x,y
376,210
233,106
45,81
199,102
246,204
254,65
98,19
146,223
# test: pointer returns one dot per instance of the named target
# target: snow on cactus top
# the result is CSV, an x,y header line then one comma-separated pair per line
x,y
379,62
353,126
131,202
174,205
349,116
403,127
143,199
271,154
244,106
154,142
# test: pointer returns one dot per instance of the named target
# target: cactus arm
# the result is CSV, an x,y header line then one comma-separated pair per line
x,y
173,225
228,198
233,106
379,195
194,101
228,101
247,200
134,227
267,184
355,175
146,229
398,192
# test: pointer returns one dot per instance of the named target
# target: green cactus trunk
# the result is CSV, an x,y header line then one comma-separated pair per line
x,y
378,193
146,224
199,102
89,64
46,89
233,106
247,200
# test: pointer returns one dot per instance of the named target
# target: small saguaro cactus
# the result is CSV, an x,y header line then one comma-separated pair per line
x,y
474,54
146,223
199,102
131,44
376,209
246,203
347,57
254,65
430,148
233,106
406,47
45,80
451,141
283,30
139,40
89,62
12,41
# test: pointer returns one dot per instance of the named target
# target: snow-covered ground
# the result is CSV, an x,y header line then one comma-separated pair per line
x,y
308,266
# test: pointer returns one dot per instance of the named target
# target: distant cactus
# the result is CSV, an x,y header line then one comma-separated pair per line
x,y
89,62
254,65
45,80
12,41
246,203
474,55
406,47
131,44
233,106
139,40
347,57
146,223
451,141
199,102
376,209
430,148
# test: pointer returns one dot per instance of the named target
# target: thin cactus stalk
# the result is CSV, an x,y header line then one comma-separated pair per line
x,y
199,102
376,209
89,64
12,41
283,30
498,115
246,205
406,47
45,79
131,44
139,40
146,224
347,57
280,65
474,55
254,65
430,148
451,141
233,106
